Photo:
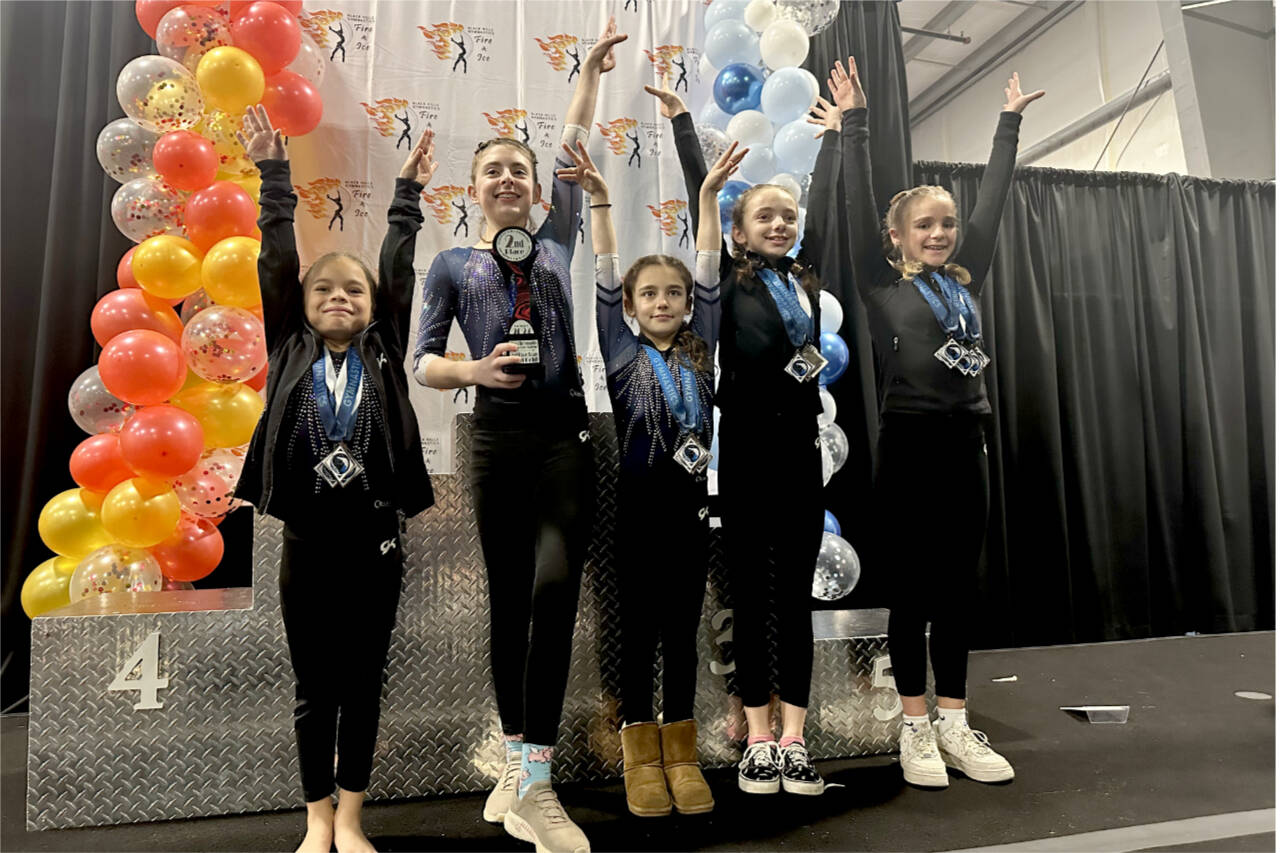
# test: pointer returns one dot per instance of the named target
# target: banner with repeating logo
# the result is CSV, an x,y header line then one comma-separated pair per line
x,y
474,70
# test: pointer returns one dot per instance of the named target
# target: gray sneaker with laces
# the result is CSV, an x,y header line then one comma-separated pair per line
x,y
503,793
538,817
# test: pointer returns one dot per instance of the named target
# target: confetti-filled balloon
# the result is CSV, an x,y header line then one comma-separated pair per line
x,y
159,93
93,407
712,140
813,15
220,129
147,207
225,344
115,568
207,489
187,33
310,61
838,569
124,150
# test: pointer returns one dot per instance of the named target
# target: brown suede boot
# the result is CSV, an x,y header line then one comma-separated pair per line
x,y
689,791
642,771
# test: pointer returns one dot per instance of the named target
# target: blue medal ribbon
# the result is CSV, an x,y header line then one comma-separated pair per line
x,y
339,425
799,325
959,317
683,403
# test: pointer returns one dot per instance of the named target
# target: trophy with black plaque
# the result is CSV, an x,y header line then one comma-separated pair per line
x,y
514,247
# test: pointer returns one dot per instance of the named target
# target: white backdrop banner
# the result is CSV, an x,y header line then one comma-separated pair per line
x,y
474,70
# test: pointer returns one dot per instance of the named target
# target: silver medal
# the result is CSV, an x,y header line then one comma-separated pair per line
x,y
692,456
340,467
806,364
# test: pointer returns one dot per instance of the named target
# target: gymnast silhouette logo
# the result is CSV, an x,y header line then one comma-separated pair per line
x,y
448,203
669,61
560,51
634,5
392,117
512,123
673,217
620,133
324,198
447,41
328,30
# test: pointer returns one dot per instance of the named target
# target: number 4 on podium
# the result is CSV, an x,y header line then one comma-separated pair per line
x,y
147,658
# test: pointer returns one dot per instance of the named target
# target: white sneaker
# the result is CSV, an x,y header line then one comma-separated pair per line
x,y
918,755
970,752
538,817
504,793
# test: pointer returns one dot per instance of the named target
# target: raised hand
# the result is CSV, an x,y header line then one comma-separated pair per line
x,y
1014,100
583,172
723,168
670,104
824,113
600,57
258,138
846,88
421,165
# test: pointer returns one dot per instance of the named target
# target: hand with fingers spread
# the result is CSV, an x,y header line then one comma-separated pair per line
x,y
670,104
600,58
724,167
258,138
488,371
584,173
422,165
846,87
824,113
1014,100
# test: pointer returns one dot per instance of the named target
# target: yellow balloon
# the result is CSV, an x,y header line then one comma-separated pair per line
x,y
230,79
220,129
230,272
70,528
141,513
227,411
48,586
167,266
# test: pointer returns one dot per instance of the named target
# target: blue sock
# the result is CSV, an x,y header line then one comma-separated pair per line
x,y
513,744
535,765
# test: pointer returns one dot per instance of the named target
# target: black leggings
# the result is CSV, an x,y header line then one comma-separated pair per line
x,y
932,491
770,483
338,597
661,539
532,495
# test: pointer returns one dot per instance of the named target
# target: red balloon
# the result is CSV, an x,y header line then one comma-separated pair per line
x,y
162,441
292,103
186,160
192,552
268,33
124,270
142,367
122,311
150,12
219,211
98,465
258,381
238,7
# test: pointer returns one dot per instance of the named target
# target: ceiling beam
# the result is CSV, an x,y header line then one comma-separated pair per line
x,y
939,22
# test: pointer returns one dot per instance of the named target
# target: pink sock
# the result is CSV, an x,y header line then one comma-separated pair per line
x,y
755,739
790,739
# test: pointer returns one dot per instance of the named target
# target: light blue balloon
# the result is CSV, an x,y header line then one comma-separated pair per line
x,y
787,95
794,147
712,114
727,197
757,165
732,41
836,352
737,88
829,523
725,10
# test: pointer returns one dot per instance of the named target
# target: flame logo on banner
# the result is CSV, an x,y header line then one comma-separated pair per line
x,y
666,214
506,122
439,201
615,133
440,38
661,56
555,49
316,193
316,25
383,111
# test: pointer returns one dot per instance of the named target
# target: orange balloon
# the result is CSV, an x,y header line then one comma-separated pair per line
x,y
221,210
132,308
98,464
192,552
167,266
142,367
230,272
138,514
228,412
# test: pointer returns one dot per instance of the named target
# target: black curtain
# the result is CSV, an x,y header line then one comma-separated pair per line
x,y
59,254
1131,324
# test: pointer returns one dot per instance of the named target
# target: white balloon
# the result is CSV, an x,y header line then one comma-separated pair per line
x,y
706,71
714,116
750,127
828,415
724,10
788,94
788,182
760,14
832,312
784,44
757,165
732,41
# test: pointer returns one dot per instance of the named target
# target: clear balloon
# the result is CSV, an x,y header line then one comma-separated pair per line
x,y
47,587
828,415
124,150
159,94
795,148
115,568
225,344
832,312
757,165
147,207
194,304
788,94
813,15
759,14
95,409
838,569
836,444
750,128
310,61
713,116
220,129
724,10
737,87
836,352
187,33
712,141
784,44
207,490
732,41
728,196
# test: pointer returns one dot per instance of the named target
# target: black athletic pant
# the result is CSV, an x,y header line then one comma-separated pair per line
x,y
770,485
532,493
661,538
932,492
338,597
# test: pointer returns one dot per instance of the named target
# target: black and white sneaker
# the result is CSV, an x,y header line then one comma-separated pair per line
x,y
798,773
760,770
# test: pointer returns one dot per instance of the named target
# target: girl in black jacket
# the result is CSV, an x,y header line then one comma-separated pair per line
x,y
337,457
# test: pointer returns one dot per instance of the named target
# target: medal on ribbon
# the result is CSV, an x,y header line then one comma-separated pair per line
x,y
960,320
337,395
807,361
691,454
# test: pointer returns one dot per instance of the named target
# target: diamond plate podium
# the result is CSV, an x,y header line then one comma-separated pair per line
x,y
221,740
